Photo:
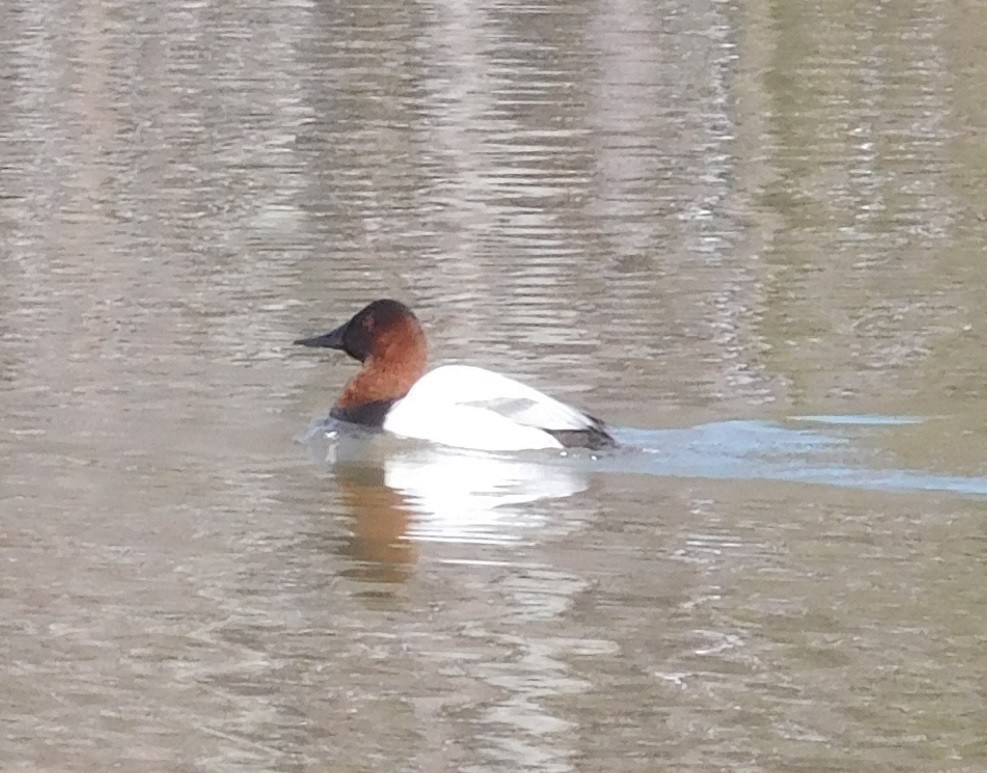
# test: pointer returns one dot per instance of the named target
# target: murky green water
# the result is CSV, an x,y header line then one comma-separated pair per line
x,y
752,236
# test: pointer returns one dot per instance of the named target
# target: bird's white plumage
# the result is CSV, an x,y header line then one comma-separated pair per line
x,y
470,407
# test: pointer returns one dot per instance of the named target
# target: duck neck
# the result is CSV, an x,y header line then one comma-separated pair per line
x,y
382,381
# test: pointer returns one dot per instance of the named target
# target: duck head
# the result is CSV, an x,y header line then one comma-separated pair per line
x,y
388,339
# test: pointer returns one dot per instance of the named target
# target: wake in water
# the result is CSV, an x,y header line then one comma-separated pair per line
x,y
802,452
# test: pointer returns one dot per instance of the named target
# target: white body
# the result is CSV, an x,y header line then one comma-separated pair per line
x,y
467,407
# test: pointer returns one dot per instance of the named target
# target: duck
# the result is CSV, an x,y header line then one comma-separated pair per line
x,y
452,405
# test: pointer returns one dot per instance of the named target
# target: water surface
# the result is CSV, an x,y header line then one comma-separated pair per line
x,y
751,236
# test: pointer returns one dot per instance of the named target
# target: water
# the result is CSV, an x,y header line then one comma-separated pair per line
x,y
749,236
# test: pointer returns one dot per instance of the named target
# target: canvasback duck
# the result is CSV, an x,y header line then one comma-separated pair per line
x,y
454,405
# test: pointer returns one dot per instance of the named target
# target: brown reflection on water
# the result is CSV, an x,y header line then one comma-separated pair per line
x,y
380,518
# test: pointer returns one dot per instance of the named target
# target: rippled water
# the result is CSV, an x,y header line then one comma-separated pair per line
x,y
751,236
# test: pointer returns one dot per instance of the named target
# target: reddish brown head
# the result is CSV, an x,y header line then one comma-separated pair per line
x,y
388,339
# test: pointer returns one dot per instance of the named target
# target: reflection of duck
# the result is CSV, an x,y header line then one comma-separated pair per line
x,y
475,497
396,491
380,519
455,405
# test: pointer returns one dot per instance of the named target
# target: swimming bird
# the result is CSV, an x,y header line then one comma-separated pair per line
x,y
453,405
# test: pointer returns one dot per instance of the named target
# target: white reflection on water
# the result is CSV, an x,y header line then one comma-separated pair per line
x,y
454,495
472,497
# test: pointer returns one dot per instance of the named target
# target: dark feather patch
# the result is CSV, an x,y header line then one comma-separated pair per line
x,y
595,438
366,415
